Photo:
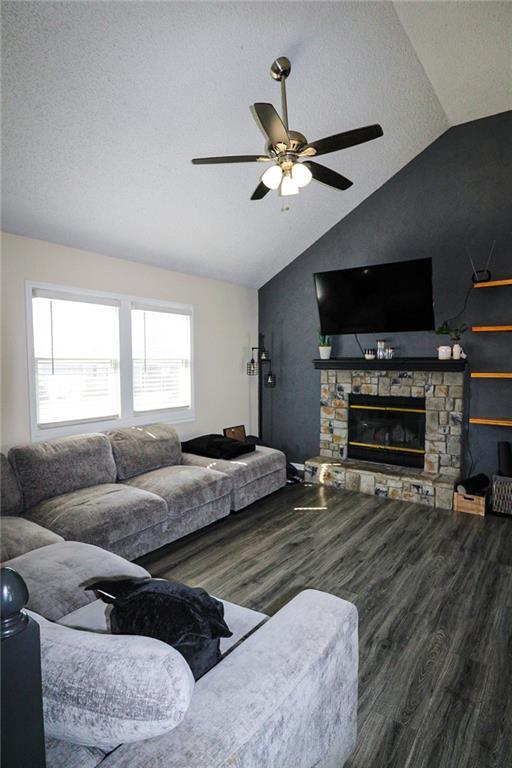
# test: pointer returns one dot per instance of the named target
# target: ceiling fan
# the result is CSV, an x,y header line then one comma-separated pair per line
x,y
289,151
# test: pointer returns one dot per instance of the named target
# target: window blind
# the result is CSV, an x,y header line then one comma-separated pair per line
x,y
76,358
161,354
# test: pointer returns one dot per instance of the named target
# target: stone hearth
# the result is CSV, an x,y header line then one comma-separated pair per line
x,y
443,393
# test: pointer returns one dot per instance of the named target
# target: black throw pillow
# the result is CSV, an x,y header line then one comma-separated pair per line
x,y
217,447
187,618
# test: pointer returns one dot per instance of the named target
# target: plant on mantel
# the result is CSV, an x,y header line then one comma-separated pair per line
x,y
453,331
324,346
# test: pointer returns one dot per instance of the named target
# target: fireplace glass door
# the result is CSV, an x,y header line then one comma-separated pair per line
x,y
389,430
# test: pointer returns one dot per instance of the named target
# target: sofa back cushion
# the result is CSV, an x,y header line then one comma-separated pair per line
x,y
103,690
141,449
60,466
11,502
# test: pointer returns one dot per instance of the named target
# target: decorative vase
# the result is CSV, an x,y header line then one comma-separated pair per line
x,y
444,353
325,352
456,351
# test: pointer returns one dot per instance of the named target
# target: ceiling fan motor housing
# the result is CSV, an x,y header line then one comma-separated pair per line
x,y
295,144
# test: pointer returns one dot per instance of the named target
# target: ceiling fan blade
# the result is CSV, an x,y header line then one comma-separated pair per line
x,y
270,123
344,140
231,159
260,191
328,176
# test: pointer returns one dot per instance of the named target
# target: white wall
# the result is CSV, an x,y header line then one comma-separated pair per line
x,y
225,326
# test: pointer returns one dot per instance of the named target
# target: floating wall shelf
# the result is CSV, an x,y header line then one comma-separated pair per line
x,y
492,422
485,375
493,283
490,374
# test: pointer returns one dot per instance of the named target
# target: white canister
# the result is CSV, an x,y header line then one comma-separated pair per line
x,y
444,353
456,351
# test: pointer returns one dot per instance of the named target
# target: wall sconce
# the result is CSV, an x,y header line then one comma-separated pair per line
x,y
253,367
270,379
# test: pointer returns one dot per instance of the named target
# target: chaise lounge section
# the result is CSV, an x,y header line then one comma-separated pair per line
x,y
284,695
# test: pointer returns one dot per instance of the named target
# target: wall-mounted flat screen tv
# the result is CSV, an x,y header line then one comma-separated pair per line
x,y
376,299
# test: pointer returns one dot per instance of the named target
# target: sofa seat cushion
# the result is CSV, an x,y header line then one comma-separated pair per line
x,y
57,574
245,469
64,754
20,535
102,690
141,449
184,488
60,466
11,501
100,515
94,617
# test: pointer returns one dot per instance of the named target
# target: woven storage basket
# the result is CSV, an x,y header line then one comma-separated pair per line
x,y
502,495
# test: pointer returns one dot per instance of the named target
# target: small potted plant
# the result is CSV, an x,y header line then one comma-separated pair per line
x,y
455,333
324,346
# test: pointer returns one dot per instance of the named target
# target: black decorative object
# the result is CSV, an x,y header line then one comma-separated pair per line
x,y
505,459
475,485
217,447
22,699
186,618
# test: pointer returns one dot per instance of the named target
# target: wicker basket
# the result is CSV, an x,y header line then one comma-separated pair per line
x,y
502,495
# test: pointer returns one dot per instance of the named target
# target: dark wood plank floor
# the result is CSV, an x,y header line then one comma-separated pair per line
x,y
434,594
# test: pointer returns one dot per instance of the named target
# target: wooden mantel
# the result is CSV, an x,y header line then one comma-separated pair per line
x,y
395,364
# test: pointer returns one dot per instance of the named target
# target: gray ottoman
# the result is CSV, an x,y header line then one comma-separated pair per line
x,y
254,475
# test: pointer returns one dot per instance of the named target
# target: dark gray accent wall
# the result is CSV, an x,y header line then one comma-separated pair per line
x,y
456,193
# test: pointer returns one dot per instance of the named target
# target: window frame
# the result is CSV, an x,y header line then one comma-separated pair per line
x,y
128,416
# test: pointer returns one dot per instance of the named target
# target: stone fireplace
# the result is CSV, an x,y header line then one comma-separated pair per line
x,y
391,432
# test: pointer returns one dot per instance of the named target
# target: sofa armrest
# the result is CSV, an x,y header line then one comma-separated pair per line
x,y
285,697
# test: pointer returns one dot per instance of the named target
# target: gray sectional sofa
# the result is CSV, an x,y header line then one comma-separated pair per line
x,y
284,694
130,490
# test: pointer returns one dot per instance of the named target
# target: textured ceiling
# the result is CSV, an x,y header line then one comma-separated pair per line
x,y
466,50
106,103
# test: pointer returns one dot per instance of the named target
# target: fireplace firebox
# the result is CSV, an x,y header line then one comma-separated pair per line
x,y
387,429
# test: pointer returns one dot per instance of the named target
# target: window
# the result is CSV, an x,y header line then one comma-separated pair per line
x,y
106,359
161,360
76,356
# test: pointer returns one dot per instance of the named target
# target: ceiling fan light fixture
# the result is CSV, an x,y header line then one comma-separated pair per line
x,y
288,186
272,177
301,174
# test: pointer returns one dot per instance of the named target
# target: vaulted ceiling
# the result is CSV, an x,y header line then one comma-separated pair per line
x,y
105,104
